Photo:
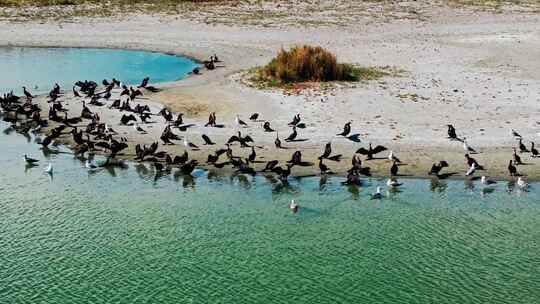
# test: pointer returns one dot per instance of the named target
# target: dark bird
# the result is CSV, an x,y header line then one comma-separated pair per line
x,y
242,140
293,135
254,116
212,158
75,93
437,167
514,133
252,155
207,140
27,93
277,142
471,161
346,129
394,169
371,151
30,161
512,169
517,159
522,147
125,119
270,165
296,158
295,121
534,152
266,127
322,167
452,132
327,151
181,159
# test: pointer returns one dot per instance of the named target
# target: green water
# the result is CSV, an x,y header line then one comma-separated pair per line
x,y
125,236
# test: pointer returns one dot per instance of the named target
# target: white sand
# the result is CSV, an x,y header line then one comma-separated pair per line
x,y
477,71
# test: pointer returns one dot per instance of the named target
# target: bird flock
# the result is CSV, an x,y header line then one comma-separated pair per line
x,y
91,134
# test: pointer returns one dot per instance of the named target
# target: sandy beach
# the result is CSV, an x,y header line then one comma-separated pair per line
x,y
474,69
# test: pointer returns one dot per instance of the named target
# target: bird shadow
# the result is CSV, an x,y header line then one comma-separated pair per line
x,y
297,140
219,126
305,164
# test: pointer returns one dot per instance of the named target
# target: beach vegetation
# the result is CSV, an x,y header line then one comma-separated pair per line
x,y
307,63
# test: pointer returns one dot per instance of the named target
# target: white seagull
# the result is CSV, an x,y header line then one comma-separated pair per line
x,y
294,206
49,169
377,194
467,148
89,165
240,122
393,183
522,184
471,170
487,182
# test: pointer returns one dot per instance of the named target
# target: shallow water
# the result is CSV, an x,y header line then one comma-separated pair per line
x,y
129,236
39,68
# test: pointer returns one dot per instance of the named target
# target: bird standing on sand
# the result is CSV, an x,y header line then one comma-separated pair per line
x,y
514,133
267,128
471,170
534,152
254,116
522,147
240,122
392,157
517,158
452,132
512,169
293,135
467,148
370,151
346,129
189,144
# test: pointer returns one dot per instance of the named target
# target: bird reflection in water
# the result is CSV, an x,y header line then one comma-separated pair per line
x,y
437,185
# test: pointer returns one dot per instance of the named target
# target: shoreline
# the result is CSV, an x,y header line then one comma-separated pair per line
x,y
407,113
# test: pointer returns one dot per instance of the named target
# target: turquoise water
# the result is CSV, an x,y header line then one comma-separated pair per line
x,y
39,68
127,236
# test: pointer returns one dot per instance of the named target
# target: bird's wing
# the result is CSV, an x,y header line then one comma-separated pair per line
x,y
248,139
362,151
233,139
379,149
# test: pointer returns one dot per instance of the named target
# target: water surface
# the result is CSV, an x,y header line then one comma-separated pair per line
x,y
39,68
129,236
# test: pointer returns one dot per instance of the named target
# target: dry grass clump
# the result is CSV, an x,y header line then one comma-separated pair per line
x,y
312,64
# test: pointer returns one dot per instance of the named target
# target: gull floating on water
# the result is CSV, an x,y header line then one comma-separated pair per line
x,y
487,182
522,183
377,194
393,183
294,206
89,165
49,169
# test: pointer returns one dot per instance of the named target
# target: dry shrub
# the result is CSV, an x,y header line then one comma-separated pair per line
x,y
306,63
